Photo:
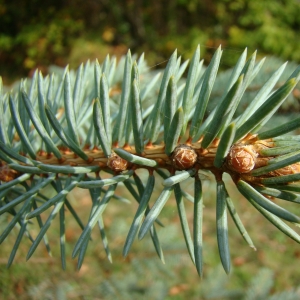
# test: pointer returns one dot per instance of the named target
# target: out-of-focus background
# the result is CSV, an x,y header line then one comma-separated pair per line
x,y
35,34
38,34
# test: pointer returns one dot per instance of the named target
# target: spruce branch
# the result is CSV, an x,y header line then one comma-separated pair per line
x,y
94,128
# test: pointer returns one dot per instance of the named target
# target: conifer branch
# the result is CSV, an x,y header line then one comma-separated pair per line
x,y
94,129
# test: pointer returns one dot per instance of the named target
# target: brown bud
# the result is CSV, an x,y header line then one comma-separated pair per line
x,y
241,159
184,157
116,163
7,174
288,170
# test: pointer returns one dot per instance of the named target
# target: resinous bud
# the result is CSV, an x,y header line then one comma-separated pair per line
x,y
241,159
116,163
184,157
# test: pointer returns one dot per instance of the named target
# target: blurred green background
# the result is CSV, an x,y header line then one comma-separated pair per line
x,y
35,34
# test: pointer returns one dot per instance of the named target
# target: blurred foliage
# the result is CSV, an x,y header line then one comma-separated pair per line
x,y
34,35
271,26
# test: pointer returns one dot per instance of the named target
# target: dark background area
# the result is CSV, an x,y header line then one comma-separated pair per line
x,y
36,35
